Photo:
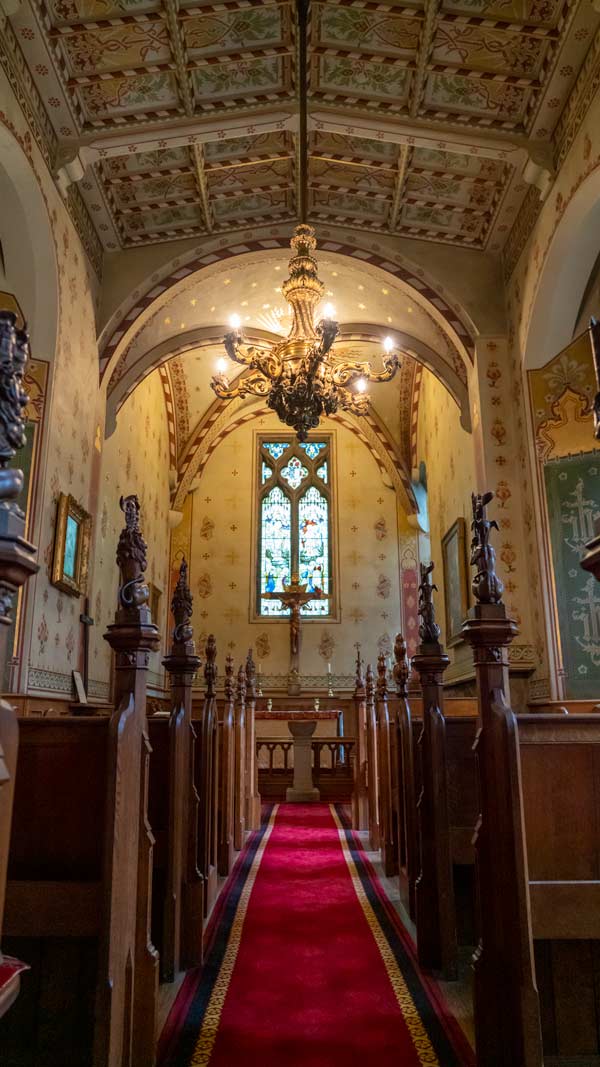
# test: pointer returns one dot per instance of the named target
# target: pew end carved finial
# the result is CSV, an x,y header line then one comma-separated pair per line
x,y
400,670
381,676
241,684
210,666
486,585
229,686
250,677
370,684
359,676
182,604
132,562
429,631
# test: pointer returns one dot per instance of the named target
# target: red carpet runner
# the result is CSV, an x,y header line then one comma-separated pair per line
x,y
309,967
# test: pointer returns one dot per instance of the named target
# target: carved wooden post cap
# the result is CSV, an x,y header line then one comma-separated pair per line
x,y
400,670
359,677
133,629
429,631
229,678
250,677
182,658
210,666
241,684
370,684
381,677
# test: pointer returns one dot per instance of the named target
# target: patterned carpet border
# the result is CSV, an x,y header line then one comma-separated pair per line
x,y
448,1040
186,1020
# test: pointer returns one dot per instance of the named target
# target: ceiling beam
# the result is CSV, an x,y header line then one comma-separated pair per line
x,y
396,206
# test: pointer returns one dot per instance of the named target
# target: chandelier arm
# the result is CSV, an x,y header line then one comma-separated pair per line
x,y
356,403
254,383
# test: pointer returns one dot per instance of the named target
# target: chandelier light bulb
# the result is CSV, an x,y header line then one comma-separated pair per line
x,y
361,386
221,365
329,311
388,344
235,322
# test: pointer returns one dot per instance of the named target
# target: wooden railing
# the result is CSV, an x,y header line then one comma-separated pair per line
x,y
333,766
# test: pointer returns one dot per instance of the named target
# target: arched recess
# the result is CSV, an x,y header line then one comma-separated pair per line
x,y
205,336
125,322
564,276
226,416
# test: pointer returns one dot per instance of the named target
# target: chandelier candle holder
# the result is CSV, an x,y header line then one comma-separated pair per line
x,y
300,377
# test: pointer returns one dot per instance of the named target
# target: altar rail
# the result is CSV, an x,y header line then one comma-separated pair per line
x,y
333,760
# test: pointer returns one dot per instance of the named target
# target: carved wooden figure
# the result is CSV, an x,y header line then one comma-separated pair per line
x,y
507,1019
434,896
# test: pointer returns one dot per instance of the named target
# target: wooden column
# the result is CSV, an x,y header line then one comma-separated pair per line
x,y
226,771
387,842
434,894
128,986
252,794
17,564
372,772
507,1019
207,780
239,773
406,803
182,933
360,802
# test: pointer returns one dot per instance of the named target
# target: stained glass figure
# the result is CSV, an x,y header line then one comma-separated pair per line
x,y
313,547
294,523
294,473
276,448
275,548
312,448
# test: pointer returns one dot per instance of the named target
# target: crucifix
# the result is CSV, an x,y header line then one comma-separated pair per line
x,y
294,596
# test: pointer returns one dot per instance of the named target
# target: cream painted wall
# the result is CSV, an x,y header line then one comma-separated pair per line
x,y
223,565
448,453
135,459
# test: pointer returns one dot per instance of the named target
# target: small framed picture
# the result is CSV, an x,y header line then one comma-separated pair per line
x,y
456,593
79,687
71,546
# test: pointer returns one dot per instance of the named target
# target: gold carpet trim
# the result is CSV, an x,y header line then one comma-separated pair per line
x,y
414,1023
212,1016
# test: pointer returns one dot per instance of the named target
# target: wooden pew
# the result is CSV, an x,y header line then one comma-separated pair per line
x,y
372,771
360,800
206,780
560,775
387,774
9,746
252,794
226,742
407,788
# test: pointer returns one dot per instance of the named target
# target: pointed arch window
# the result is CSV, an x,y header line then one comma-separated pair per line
x,y
294,521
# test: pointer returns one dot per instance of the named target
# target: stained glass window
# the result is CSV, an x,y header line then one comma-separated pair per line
x,y
294,522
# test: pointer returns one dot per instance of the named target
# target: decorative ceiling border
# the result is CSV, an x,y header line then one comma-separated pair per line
x,y
29,101
170,411
156,289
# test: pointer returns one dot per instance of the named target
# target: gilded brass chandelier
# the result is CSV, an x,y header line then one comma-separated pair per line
x,y
299,376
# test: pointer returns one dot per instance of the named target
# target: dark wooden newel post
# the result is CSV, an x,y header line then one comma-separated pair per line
x,y
372,763
17,564
436,926
507,1020
239,793
182,934
252,794
387,841
208,779
408,838
360,806
131,971
226,772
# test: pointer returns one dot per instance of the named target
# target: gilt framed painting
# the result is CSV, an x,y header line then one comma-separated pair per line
x,y
456,595
71,546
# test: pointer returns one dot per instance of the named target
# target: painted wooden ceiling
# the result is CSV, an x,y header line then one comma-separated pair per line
x,y
421,115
